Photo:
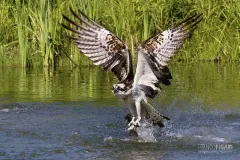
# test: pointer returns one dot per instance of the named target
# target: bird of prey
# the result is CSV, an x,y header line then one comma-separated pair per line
x,y
110,52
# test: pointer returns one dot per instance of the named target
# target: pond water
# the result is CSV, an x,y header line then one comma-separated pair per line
x,y
72,114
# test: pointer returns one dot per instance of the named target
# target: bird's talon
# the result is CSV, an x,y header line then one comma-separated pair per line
x,y
137,122
137,125
131,127
132,122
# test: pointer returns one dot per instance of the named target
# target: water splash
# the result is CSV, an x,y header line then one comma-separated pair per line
x,y
110,138
4,110
146,132
211,138
172,134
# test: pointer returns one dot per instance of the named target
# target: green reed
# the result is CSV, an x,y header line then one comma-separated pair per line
x,y
21,19
31,34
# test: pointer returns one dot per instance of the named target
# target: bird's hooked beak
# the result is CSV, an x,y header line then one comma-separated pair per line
x,y
113,89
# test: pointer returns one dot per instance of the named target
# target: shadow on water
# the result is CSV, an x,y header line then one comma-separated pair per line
x,y
72,114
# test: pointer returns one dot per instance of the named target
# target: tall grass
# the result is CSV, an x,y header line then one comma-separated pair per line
x,y
31,34
22,20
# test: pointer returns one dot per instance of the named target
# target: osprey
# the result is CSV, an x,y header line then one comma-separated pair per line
x,y
110,52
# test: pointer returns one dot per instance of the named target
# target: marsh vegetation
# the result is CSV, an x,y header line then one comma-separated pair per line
x,y
31,34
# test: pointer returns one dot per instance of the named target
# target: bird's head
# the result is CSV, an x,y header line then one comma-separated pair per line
x,y
120,89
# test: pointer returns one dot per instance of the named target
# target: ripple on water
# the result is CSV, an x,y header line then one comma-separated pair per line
x,y
91,132
232,116
236,124
11,107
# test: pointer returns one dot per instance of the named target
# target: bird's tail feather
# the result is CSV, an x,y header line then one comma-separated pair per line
x,y
155,116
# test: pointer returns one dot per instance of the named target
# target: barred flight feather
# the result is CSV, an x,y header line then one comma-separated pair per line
x,y
158,50
101,46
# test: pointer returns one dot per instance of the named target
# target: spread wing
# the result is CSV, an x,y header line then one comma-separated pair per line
x,y
101,46
155,53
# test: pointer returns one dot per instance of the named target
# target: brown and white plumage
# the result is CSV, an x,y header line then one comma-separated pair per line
x,y
155,53
107,50
101,46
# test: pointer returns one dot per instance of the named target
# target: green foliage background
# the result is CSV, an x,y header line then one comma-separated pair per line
x,y
31,34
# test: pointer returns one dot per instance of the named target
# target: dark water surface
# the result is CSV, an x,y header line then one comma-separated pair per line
x,y
72,114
